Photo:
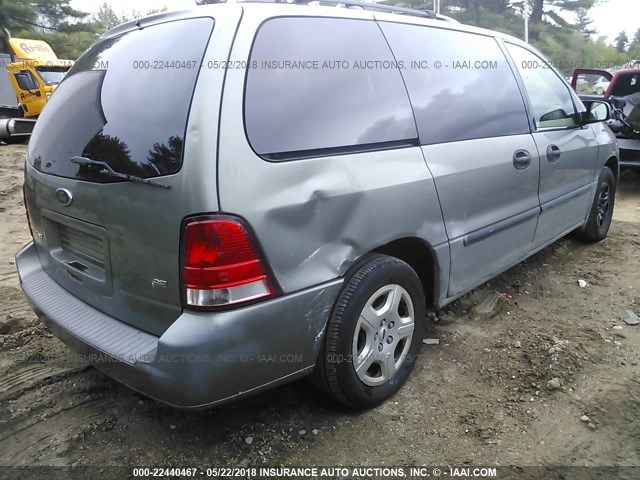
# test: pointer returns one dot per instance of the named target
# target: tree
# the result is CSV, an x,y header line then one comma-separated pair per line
x,y
44,15
584,22
556,12
506,15
106,18
621,41
561,29
69,32
634,48
495,14
70,45
53,21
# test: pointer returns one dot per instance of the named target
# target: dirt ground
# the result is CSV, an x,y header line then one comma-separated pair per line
x,y
480,396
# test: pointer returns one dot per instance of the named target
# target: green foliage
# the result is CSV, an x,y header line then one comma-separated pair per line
x,y
622,40
68,31
107,18
584,22
634,48
600,55
562,29
38,14
54,21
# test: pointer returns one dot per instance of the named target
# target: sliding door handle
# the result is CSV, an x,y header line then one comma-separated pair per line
x,y
521,159
553,153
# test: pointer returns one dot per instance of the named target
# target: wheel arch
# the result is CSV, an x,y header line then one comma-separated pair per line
x,y
614,165
420,256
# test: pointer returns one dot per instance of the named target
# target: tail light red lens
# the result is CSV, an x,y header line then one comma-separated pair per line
x,y
221,265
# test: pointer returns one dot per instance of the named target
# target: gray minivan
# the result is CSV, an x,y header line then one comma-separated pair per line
x,y
229,198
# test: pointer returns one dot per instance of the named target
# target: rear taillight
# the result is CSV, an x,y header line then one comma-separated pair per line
x,y
26,209
220,264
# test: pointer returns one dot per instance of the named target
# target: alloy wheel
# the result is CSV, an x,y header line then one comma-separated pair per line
x,y
383,335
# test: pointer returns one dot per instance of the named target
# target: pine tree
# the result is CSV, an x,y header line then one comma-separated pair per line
x,y
621,42
42,15
106,18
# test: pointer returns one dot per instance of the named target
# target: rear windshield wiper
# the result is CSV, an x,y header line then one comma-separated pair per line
x,y
106,168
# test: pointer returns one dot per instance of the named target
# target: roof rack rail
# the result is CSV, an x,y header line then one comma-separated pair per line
x,y
348,3
374,6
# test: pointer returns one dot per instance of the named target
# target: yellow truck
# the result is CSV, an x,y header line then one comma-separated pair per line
x,y
33,73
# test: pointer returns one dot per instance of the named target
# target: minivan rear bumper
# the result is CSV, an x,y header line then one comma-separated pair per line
x,y
203,358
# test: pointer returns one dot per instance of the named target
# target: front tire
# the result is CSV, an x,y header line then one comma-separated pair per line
x,y
601,212
374,334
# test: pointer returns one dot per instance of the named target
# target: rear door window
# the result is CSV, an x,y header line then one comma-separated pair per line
x,y
324,85
460,84
125,102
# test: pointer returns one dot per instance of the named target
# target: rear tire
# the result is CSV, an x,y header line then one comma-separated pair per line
x,y
601,212
374,334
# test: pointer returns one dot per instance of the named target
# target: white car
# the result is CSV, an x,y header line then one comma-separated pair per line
x,y
601,86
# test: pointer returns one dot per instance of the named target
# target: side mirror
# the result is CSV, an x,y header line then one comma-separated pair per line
x,y
597,111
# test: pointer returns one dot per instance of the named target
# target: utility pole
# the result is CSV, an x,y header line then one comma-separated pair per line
x,y
436,6
526,21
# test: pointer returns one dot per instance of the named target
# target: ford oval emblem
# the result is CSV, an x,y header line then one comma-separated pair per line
x,y
64,196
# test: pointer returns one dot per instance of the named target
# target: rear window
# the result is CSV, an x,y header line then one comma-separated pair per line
x,y
321,86
125,102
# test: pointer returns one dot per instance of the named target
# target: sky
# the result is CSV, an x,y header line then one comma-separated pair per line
x,y
613,16
609,18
